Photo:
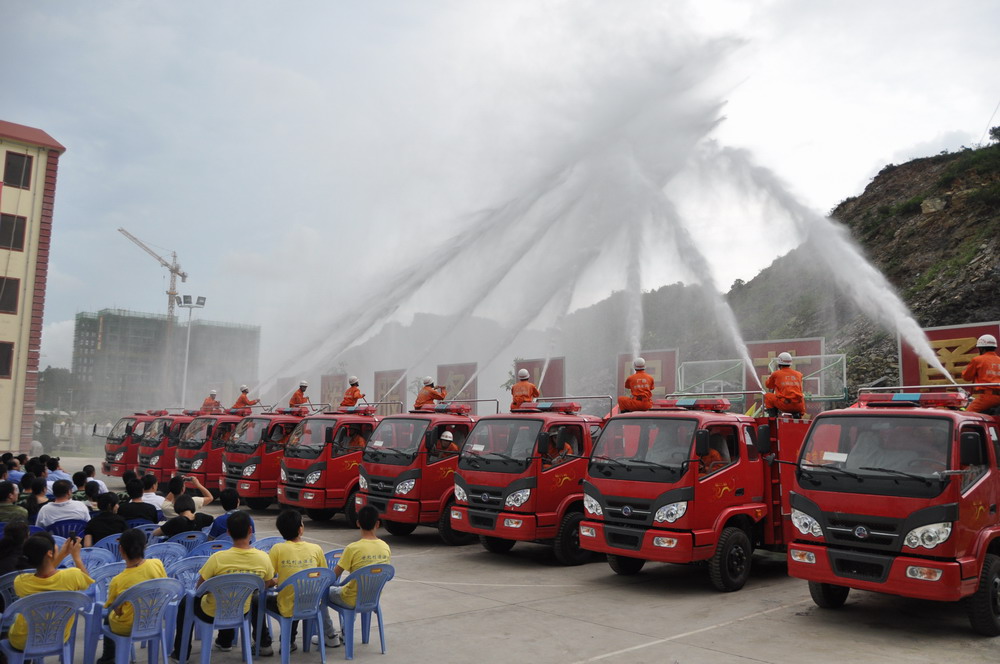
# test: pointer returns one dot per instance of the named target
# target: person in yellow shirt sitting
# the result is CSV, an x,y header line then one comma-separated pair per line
x,y
40,550
132,547
368,550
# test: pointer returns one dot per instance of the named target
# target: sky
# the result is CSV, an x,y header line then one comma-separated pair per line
x,y
296,155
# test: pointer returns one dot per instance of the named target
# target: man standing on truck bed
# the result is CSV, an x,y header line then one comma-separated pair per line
x,y
641,385
428,394
353,393
787,385
523,390
244,401
984,369
299,396
210,402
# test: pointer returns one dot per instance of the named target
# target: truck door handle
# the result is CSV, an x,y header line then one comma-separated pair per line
x,y
739,492
993,509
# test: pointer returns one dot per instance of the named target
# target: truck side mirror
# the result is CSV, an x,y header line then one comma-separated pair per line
x,y
970,449
208,432
701,442
764,439
328,436
128,429
94,432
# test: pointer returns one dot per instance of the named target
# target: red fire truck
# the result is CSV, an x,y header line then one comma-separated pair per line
x,y
519,478
121,447
199,451
319,471
686,482
898,494
252,458
406,479
159,444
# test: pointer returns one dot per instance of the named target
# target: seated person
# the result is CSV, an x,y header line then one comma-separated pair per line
x,y
713,460
136,507
356,441
62,507
176,487
187,520
105,523
558,449
230,500
444,445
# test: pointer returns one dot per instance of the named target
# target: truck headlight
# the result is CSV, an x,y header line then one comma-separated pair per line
x,y
224,469
120,456
806,524
196,464
284,475
405,487
362,482
928,536
518,498
250,470
591,505
312,477
460,494
154,460
671,512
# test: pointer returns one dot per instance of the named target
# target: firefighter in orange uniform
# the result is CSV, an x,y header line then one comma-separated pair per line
x,y
299,396
353,393
558,449
523,390
210,402
787,385
428,394
984,369
244,401
357,441
446,443
641,385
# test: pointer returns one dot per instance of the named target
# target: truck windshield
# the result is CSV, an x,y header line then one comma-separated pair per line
x,y
644,450
504,446
396,441
155,432
194,435
118,432
308,439
247,435
877,454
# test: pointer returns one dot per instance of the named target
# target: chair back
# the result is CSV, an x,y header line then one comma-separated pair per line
x,y
46,616
370,580
266,543
311,588
333,557
146,527
34,530
168,552
139,523
186,570
150,601
231,593
224,537
189,540
92,557
102,579
7,593
67,527
208,548
110,543
59,540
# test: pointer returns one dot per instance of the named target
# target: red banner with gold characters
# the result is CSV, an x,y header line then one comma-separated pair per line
x,y
954,345
763,352
660,364
554,383
455,376
391,386
332,388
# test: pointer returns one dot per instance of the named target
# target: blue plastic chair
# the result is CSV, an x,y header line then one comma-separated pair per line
x,y
149,529
92,557
224,537
311,589
370,581
47,616
186,571
99,591
189,540
7,593
139,523
208,548
152,602
231,593
59,540
111,544
34,530
266,543
67,527
168,552
333,557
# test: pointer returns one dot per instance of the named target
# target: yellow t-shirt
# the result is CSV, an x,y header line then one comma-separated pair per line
x,y
151,568
357,555
235,561
289,558
70,578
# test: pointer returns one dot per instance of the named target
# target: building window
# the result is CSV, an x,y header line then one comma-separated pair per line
x,y
6,358
12,231
17,170
9,291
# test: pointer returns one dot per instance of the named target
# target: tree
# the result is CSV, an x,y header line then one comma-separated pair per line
x,y
995,134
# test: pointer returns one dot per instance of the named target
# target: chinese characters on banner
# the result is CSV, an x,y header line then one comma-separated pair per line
x,y
660,364
954,345
384,382
332,388
454,377
763,352
554,384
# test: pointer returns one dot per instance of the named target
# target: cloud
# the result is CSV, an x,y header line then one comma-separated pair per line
x,y
57,344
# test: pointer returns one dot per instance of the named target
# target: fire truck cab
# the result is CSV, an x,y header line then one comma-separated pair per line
x,y
898,494
251,462
199,451
159,444
407,478
121,447
519,478
685,482
319,471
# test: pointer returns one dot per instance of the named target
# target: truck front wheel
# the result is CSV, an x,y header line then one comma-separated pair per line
x,y
624,565
828,596
399,529
496,544
351,509
451,536
729,568
259,504
983,607
320,514
567,543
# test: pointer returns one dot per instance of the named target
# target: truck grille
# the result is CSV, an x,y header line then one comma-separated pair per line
x,y
183,464
627,510
486,497
144,459
861,566
623,538
864,531
295,477
291,494
378,504
481,519
381,486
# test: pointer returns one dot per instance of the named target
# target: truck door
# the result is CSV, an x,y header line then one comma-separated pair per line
x,y
978,506
722,475
437,479
562,471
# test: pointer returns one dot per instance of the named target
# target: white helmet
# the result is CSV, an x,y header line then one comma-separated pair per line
x,y
986,341
428,380
785,358
244,388
447,436
213,393
303,383
523,374
353,380
639,363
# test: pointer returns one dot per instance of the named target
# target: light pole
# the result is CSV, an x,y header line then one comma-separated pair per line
x,y
185,301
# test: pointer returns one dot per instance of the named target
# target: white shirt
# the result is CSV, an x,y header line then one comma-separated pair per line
x,y
153,499
104,487
53,512
168,506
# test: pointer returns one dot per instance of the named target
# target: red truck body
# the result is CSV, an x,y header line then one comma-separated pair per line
x,y
159,444
649,498
200,449
251,462
404,479
899,495
121,448
507,490
319,471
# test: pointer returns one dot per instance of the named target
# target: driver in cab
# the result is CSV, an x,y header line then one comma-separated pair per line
x,y
445,446
558,449
356,440
713,459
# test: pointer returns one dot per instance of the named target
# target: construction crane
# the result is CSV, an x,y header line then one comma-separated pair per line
x,y
173,267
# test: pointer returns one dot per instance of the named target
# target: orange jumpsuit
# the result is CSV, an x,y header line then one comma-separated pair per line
x,y
298,398
357,442
983,369
351,396
787,396
523,390
641,385
245,402
552,454
705,462
210,404
429,395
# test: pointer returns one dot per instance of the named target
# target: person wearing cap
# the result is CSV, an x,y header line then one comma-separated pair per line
x,y
244,401
523,390
210,402
787,395
984,369
299,396
353,393
445,444
641,385
428,394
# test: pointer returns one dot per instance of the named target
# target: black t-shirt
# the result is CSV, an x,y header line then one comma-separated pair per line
x,y
132,510
105,524
180,524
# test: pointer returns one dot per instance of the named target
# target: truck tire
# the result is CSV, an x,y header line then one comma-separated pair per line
x,y
259,504
983,606
567,543
399,529
449,535
496,544
351,509
320,514
624,565
827,595
729,567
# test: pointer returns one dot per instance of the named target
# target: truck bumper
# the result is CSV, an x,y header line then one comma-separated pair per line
x,y
505,525
307,497
249,487
394,509
878,572
664,546
116,469
207,480
162,475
